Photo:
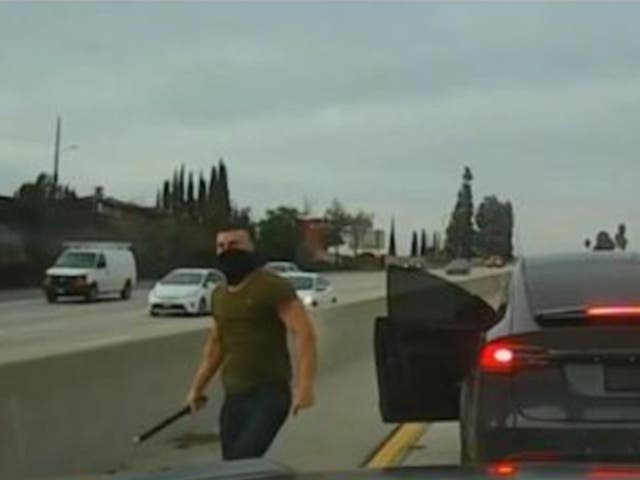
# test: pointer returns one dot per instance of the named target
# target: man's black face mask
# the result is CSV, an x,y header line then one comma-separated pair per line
x,y
237,264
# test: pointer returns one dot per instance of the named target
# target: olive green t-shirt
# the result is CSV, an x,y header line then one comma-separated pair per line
x,y
252,335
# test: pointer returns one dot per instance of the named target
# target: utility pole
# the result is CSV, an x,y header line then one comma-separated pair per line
x,y
56,156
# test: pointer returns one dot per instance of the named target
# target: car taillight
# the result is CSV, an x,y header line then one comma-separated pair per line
x,y
497,358
502,469
502,356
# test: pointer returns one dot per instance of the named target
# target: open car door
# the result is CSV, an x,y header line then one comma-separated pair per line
x,y
426,345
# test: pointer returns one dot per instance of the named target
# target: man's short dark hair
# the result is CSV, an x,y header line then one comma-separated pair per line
x,y
238,225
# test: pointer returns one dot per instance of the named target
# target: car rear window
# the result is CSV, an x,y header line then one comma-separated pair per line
x,y
301,282
582,283
182,278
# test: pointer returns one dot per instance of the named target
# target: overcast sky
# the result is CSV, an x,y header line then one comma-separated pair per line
x,y
380,105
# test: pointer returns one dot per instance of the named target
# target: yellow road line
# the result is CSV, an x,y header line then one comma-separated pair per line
x,y
397,445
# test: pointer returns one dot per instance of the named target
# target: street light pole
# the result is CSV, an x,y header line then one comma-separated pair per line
x,y
56,156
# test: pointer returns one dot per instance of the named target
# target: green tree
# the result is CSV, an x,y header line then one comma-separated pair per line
x,y
219,195
509,229
414,244
279,233
392,238
182,190
241,216
36,192
202,195
604,241
423,243
621,237
225,196
191,198
495,227
338,219
175,192
460,230
213,178
42,190
166,196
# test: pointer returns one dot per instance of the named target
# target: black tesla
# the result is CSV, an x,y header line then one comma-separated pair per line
x,y
553,373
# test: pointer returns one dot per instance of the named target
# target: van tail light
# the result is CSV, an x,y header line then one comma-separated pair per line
x,y
504,357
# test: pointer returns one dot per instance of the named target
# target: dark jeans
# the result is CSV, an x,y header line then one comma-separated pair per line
x,y
249,421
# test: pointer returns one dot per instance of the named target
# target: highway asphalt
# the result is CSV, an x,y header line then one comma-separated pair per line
x,y
29,326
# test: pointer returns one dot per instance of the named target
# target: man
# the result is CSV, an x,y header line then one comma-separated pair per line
x,y
252,314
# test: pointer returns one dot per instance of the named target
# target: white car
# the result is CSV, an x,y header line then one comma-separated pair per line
x,y
314,290
459,266
184,291
92,269
282,268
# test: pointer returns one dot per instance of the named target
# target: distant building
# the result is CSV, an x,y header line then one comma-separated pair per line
x,y
315,234
373,242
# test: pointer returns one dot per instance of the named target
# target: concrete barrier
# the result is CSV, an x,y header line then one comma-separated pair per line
x,y
76,413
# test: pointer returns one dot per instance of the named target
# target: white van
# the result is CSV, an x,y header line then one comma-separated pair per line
x,y
91,269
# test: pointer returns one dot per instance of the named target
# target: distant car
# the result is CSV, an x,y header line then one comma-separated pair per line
x,y
91,269
314,290
185,291
282,267
459,266
414,264
495,261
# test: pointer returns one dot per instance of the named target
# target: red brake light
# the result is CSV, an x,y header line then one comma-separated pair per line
x,y
502,356
497,358
503,469
614,311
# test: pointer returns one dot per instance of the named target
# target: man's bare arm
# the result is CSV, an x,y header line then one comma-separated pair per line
x,y
209,365
297,321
